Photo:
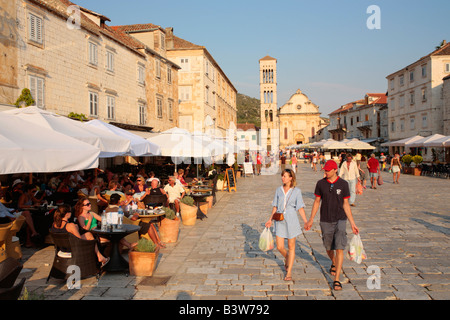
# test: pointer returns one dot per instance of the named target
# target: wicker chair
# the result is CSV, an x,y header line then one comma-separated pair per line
x,y
12,242
4,235
70,250
12,293
159,200
133,237
9,271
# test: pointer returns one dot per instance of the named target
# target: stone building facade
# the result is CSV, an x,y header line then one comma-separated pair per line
x,y
161,75
11,41
446,97
72,61
416,98
299,120
207,98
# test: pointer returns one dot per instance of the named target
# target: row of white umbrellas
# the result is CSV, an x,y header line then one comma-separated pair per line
x,y
331,144
435,140
35,140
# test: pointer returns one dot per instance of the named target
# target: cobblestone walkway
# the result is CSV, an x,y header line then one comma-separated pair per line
x,y
405,229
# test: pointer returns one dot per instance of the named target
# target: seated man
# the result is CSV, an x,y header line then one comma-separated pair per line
x,y
154,194
174,192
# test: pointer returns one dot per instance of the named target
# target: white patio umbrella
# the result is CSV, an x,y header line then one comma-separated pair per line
x,y
320,143
401,143
420,142
109,145
438,143
138,145
177,142
333,145
28,148
359,145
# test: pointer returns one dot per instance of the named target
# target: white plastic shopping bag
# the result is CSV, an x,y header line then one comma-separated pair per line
x,y
266,240
356,250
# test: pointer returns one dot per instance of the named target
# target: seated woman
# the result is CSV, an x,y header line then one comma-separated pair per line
x,y
181,177
114,207
61,224
27,202
96,190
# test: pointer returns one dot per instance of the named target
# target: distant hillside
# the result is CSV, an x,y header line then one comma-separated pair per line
x,y
248,109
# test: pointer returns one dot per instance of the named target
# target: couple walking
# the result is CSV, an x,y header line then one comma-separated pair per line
x,y
332,194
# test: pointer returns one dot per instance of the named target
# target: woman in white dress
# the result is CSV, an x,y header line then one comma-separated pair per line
x,y
288,200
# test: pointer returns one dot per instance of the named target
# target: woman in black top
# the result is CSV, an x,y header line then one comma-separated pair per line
x,y
61,224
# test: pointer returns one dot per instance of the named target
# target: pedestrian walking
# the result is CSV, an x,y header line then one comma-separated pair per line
x,y
382,161
396,166
294,163
288,200
332,197
363,171
373,166
350,173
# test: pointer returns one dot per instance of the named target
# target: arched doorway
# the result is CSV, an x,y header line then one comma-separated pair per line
x,y
299,138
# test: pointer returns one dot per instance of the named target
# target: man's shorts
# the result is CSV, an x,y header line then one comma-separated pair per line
x,y
334,235
373,174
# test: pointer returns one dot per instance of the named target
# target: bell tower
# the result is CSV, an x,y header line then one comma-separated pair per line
x,y
270,136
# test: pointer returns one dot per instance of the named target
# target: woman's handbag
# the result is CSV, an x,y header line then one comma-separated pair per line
x,y
279,216
380,179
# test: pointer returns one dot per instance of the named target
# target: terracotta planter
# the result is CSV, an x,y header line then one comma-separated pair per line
x,y
417,171
210,200
204,206
142,263
169,229
188,214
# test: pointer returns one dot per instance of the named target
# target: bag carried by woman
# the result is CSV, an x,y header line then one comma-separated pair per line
x,y
380,179
266,240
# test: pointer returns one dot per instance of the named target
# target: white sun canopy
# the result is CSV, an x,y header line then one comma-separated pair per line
x,y
110,145
27,148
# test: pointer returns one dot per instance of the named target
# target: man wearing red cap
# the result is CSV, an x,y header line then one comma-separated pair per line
x,y
332,194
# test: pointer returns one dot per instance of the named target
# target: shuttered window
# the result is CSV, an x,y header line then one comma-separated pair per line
x,y
37,90
35,28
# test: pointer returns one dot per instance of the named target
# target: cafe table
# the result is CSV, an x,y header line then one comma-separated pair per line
x,y
116,262
149,217
200,196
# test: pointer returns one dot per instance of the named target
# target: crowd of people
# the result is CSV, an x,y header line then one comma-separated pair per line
x,y
52,201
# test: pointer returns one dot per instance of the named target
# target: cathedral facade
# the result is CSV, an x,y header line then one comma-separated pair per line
x,y
296,122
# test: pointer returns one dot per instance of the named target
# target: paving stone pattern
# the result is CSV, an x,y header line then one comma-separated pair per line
x,y
405,229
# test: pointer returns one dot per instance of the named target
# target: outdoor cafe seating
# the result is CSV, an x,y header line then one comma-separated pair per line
x,y
9,271
70,250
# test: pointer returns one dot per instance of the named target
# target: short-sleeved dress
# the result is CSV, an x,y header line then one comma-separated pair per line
x,y
290,227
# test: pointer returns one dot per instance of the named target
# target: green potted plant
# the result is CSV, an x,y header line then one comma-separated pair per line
x,y
417,159
188,211
169,226
142,259
407,159
25,99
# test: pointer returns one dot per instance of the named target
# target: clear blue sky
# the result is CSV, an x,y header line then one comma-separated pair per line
x,y
323,47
